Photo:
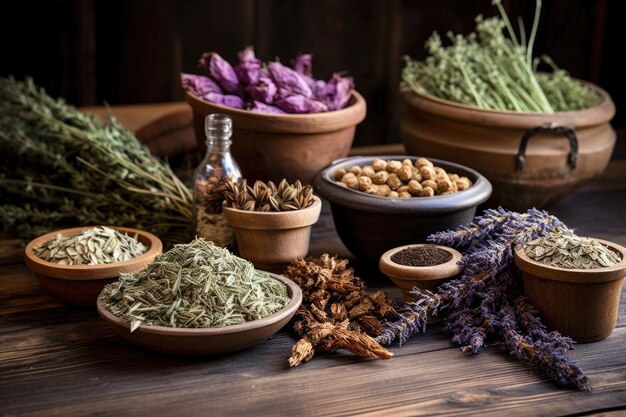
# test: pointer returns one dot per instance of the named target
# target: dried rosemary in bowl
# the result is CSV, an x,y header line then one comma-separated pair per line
x,y
267,196
195,285
97,245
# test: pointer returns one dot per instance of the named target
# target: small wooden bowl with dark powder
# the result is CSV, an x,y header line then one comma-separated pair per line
x,y
424,266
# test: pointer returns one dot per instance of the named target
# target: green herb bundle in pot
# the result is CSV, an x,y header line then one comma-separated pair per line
x,y
480,101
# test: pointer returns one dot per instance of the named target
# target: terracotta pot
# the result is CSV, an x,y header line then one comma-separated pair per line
x,y
579,303
271,240
277,146
489,141
370,225
423,277
80,285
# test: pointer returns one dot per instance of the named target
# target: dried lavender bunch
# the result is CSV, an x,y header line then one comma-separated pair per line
x,y
62,167
267,197
485,303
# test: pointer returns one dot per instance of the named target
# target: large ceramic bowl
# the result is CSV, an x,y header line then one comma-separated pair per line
x,y
80,285
207,341
371,225
276,146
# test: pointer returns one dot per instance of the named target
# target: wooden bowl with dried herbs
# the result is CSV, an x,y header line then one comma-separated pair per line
x,y
73,265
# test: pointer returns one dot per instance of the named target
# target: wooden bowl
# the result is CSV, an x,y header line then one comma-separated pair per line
x,y
271,240
276,146
423,277
80,285
207,341
579,303
371,225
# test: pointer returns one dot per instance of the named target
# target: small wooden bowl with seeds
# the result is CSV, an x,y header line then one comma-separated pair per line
x,y
80,285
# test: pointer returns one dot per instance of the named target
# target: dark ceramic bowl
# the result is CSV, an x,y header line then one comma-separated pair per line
x,y
371,225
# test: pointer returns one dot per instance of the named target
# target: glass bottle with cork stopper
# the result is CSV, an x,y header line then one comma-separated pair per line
x,y
218,166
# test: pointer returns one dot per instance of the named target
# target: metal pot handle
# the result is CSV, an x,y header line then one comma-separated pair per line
x,y
572,157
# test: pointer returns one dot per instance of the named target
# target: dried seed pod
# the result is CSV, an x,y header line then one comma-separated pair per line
x,y
356,170
392,166
394,182
380,177
249,206
368,171
427,192
379,165
365,184
393,194
404,172
428,173
414,187
423,162
429,183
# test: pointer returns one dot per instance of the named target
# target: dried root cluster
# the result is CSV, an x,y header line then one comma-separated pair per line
x,y
336,312
402,179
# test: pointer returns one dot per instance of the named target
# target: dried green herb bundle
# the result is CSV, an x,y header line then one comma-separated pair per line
x,y
267,197
336,312
98,245
195,285
62,167
564,249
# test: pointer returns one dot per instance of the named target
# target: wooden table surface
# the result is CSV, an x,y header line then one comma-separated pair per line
x,y
57,360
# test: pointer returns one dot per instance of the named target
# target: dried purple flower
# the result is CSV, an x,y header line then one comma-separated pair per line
x,y
289,81
221,71
338,91
303,64
228,100
265,90
199,85
265,108
300,104
249,68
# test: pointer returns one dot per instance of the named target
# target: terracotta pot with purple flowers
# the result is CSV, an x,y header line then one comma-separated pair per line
x,y
286,124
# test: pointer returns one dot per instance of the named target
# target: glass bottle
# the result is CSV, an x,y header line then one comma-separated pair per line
x,y
217,167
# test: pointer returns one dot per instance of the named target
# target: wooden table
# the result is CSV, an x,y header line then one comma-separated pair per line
x,y
56,360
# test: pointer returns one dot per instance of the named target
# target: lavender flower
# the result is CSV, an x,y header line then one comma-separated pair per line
x,y
289,81
199,85
265,108
221,71
249,68
265,90
300,104
228,100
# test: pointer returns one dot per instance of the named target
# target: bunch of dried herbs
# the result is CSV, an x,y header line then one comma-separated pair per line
x,y
485,303
489,70
98,245
267,196
336,311
62,167
195,285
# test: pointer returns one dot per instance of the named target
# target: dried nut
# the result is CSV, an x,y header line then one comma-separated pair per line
x,y
364,183
379,165
405,194
447,192
407,162
428,173
427,192
392,166
444,185
368,171
393,194
340,173
414,187
380,190
350,180
440,171
380,177
453,177
429,183
423,162
356,170
394,182
463,183
403,188
417,176
404,172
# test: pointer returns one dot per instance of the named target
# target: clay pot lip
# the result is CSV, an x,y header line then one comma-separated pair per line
x,y
602,113
577,276
273,220
352,114
422,273
90,272
325,185
295,294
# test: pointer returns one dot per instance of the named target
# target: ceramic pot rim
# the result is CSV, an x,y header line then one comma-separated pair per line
x,y
330,121
295,294
273,220
579,276
90,272
422,273
327,187
602,113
